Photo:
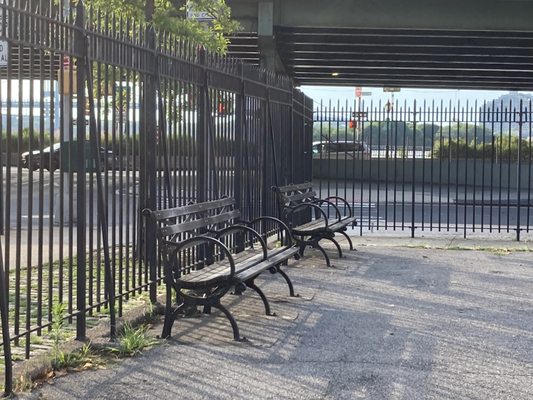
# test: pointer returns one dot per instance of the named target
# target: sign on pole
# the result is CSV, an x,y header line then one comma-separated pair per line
x,y
4,45
192,13
358,91
4,53
391,89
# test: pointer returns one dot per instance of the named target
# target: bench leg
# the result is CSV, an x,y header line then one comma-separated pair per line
x,y
302,249
339,250
251,284
349,240
287,279
170,317
236,336
317,246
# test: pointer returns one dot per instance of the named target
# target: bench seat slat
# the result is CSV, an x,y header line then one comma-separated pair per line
x,y
218,271
318,225
271,261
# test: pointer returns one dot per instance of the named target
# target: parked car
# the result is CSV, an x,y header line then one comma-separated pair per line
x,y
51,155
341,150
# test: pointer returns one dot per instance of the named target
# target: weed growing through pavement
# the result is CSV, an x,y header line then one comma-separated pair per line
x,y
133,341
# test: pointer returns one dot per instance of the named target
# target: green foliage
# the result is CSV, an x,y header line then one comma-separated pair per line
x,y
23,383
469,132
399,133
170,16
57,332
133,341
500,149
75,359
25,142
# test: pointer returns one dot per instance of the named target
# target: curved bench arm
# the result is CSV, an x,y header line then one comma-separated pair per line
x,y
198,240
281,224
338,214
346,204
240,228
312,205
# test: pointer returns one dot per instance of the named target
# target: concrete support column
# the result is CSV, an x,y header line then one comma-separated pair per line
x,y
268,51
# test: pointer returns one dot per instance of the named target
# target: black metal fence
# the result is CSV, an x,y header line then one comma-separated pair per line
x,y
430,166
101,117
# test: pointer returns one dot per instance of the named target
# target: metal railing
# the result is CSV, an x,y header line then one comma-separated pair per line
x,y
164,123
431,166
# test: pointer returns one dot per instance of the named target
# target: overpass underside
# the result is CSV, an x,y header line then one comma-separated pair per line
x,y
431,44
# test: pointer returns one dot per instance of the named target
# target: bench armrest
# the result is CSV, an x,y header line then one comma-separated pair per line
x,y
346,204
281,224
337,211
304,205
240,228
192,242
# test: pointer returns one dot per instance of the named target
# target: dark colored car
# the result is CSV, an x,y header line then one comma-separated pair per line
x,y
50,158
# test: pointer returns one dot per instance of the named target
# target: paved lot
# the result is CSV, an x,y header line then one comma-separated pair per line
x,y
388,322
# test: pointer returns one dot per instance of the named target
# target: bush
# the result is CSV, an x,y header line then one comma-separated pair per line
x,y
24,141
501,149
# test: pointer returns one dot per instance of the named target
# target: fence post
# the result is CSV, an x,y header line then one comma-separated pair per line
x,y
413,189
264,142
202,158
81,50
148,176
519,171
239,129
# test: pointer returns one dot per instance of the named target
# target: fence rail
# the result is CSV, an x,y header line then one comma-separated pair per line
x,y
430,166
101,117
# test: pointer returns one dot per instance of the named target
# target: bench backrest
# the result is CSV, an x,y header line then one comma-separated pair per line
x,y
292,195
194,219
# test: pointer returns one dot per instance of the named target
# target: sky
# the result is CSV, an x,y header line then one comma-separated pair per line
x,y
323,94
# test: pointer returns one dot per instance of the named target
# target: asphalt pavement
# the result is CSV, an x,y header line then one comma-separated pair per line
x,y
425,318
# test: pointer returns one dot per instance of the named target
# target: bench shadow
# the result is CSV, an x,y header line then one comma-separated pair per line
x,y
391,325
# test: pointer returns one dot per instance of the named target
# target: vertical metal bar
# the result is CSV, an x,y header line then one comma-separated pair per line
x,y
483,160
6,340
404,158
474,114
519,171
530,164
381,114
201,167
102,210
423,119
148,138
466,146
413,184
81,279
29,235
509,150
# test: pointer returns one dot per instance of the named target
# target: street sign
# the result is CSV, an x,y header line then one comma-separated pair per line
x,y
198,15
366,94
360,115
4,53
358,91
391,89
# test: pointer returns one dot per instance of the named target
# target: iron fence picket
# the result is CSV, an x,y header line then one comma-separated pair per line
x,y
459,167
70,264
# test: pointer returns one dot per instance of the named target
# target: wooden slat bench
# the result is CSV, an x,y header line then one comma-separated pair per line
x,y
207,250
303,211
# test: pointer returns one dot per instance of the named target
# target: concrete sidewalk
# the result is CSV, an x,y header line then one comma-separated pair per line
x,y
388,322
